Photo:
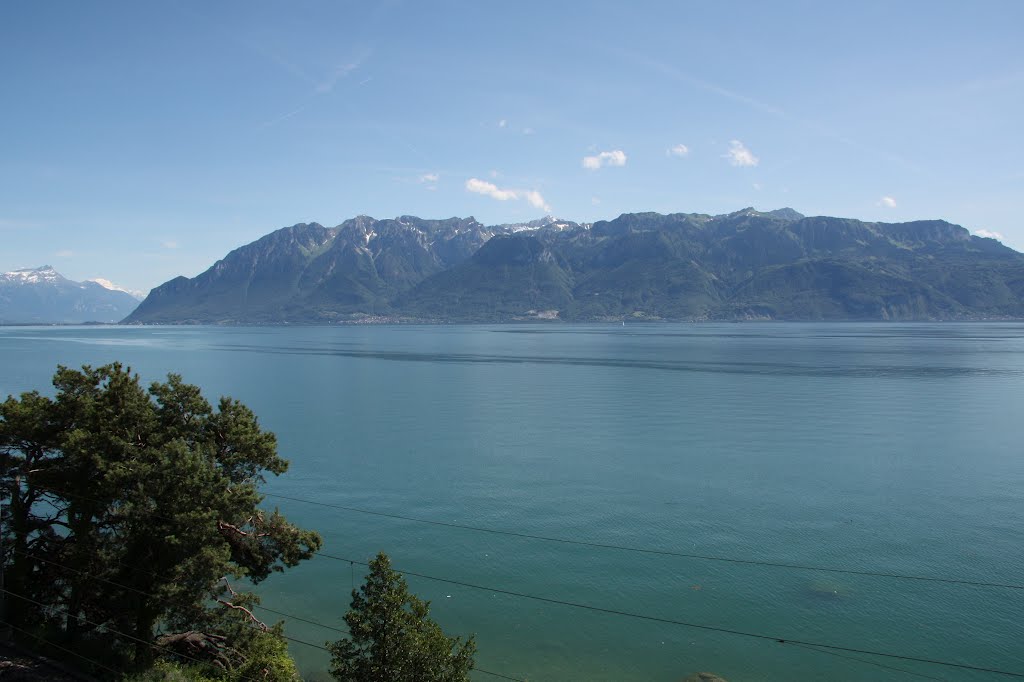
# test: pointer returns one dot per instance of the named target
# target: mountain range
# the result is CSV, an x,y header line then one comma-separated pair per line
x,y
44,296
642,266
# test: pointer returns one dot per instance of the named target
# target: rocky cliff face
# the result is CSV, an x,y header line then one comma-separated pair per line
x,y
747,264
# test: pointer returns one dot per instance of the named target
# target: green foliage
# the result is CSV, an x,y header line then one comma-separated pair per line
x,y
509,276
268,659
747,264
128,509
169,671
392,638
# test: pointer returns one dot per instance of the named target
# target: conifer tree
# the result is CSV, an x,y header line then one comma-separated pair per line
x,y
129,510
392,637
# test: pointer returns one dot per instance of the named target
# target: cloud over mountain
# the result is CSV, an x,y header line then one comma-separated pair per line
x,y
489,189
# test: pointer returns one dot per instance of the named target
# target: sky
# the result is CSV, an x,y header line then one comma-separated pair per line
x,y
140,141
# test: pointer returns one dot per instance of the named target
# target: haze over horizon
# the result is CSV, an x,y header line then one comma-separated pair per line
x,y
148,141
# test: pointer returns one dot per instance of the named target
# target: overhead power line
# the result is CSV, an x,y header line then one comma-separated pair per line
x,y
494,674
699,626
643,550
153,596
626,548
64,649
109,629
256,606
867,662
323,648
487,672
331,627
760,636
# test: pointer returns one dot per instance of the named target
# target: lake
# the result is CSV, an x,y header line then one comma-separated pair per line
x,y
890,448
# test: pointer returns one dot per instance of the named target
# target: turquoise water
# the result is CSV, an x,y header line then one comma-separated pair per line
x,y
878,447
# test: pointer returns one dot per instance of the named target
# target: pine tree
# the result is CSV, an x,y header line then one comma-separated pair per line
x,y
127,509
392,637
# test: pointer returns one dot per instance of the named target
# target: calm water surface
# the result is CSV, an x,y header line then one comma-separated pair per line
x,y
877,447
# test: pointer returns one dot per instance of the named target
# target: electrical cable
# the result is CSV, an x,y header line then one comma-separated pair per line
x,y
493,674
699,626
324,648
874,663
64,649
111,630
330,627
257,606
639,550
660,552
153,596
658,619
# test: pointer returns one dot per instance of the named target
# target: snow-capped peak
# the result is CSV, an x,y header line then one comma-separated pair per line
x,y
107,284
33,275
547,222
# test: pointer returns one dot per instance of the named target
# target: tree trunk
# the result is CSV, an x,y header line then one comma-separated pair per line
x,y
16,579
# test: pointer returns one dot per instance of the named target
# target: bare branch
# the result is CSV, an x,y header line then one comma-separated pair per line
x,y
224,526
253,618
196,644
259,623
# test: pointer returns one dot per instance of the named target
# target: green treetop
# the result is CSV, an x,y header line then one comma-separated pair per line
x,y
392,638
131,510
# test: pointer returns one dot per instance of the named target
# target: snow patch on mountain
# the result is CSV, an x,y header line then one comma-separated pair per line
x,y
44,296
41,275
107,284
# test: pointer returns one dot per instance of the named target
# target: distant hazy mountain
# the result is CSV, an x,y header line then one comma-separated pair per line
x,y
42,295
744,265
107,284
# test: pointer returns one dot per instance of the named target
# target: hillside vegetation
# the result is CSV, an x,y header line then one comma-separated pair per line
x,y
744,265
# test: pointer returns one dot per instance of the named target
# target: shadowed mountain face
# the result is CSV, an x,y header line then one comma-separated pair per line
x,y
510,276
744,265
44,296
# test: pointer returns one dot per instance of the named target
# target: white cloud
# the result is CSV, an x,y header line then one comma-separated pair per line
x,y
739,155
490,189
887,202
428,177
531,196
536,200
990,234
616,157
502,123
678,150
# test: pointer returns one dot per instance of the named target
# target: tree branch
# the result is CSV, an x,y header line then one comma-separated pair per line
x,y
236,607
224,526
195,644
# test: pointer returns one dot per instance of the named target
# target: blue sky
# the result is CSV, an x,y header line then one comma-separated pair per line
x,y
141,141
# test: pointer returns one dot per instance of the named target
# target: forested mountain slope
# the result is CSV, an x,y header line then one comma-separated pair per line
x,y
743,265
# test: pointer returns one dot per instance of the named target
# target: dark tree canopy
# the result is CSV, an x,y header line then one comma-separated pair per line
x,y
130,509
392,637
